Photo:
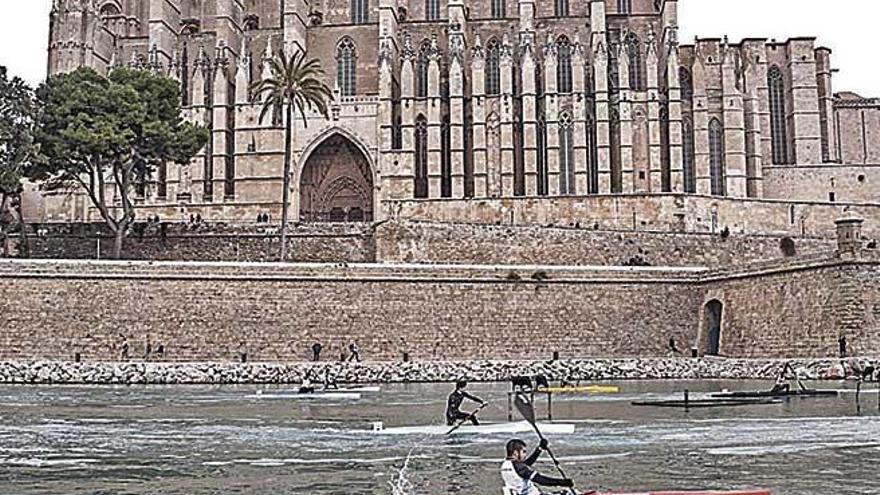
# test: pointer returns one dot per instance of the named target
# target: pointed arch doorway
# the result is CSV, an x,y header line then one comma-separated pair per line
x,y
713,312
336,184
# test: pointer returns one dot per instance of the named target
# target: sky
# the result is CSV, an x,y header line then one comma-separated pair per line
x,y
848,31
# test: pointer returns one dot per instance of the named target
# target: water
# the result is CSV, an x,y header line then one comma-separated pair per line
x,y
224,439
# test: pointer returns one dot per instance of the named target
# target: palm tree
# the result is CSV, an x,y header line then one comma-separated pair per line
x,y
295,82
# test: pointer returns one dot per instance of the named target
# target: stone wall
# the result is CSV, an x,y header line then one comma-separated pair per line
x,y
858,122
275,312
60,372
833,182
653,212
202,311
432,242
206,242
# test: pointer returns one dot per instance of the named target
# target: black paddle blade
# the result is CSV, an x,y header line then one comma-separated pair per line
x,y
525,408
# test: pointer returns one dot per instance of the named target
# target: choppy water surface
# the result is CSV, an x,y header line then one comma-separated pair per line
x,y
212,440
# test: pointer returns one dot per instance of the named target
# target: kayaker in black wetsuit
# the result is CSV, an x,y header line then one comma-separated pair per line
x,y
782,386
453,405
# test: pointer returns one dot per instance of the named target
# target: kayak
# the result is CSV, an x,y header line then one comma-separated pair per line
x,y
703,403
483,429
768,393
747,492
351,390
308,396
588,389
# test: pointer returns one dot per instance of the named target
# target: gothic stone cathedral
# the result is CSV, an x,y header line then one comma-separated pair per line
x,y
446,99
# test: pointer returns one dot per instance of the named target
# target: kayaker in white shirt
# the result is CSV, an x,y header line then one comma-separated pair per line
x,y
518,475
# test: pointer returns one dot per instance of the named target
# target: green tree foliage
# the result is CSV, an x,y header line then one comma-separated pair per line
x,y
296,83
17,153
101,134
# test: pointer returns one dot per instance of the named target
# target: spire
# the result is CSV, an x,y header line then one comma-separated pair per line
x,y
266,72
174,68
477,50
243,74
153,61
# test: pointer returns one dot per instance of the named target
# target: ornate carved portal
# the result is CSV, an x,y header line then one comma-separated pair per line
x,y
336,184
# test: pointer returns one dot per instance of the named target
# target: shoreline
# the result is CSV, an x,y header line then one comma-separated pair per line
x,y
45,372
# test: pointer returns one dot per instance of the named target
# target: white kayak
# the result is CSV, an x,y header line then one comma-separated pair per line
x,y
308,396
351,390
483,429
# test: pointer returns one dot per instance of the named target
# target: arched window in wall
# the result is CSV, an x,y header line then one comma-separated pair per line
x,y
346,66
561,8
432,10
636,62
716,157
493,67
566,155
360,11
778,130
563,65
624,6
499,9
421,165
688,155
687,84
422,70
109,9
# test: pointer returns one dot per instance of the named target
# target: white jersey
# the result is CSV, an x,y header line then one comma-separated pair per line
x,y
514,484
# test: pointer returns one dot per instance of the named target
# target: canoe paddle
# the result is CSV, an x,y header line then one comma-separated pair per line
x,y
527,409
462,421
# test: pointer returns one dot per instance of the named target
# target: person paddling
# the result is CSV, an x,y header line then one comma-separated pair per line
x,y
518,475
453,405
306,386
782,385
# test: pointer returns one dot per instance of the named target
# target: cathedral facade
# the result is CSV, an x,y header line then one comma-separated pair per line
x,y
449,100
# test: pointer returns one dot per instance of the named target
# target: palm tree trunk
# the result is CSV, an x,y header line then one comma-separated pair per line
x,y
285,206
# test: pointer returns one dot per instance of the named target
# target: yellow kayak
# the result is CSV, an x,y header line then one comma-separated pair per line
x,y
588,389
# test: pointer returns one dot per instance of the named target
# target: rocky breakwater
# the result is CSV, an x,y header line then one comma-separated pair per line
x,y
57,372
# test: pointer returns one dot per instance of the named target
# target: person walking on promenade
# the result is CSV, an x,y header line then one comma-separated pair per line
x,y
841,346
316,351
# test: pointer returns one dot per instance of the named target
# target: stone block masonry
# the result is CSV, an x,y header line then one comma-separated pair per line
x,y
434,242
206,242
275,312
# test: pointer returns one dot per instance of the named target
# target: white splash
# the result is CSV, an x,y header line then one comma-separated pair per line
x,y
400,484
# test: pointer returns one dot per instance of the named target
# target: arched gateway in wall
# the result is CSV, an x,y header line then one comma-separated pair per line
x,y
713,311
336,183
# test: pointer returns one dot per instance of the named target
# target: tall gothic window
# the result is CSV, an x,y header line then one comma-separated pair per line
x,y
778,130
566,155
432,10
542,156
687,84
636,62
561,8
498,9
716,157
563,65
346,66
421,169
624,6
360,11
422,70
493,68
688,155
